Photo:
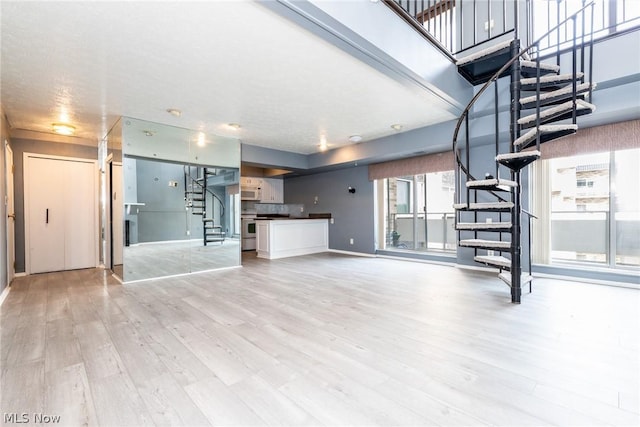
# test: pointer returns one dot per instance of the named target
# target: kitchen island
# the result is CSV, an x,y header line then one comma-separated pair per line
x,y
281,238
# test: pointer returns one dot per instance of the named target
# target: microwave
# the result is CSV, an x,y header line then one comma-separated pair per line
x,y
250,193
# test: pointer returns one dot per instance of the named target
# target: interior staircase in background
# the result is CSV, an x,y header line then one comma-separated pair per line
x,y
200,198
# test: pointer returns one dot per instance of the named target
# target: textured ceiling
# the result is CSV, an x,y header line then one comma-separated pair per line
x,y
219,62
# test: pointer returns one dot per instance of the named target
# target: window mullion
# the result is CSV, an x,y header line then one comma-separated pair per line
x,y
611,253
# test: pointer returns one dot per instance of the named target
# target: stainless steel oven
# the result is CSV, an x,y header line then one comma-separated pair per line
x,y
248,234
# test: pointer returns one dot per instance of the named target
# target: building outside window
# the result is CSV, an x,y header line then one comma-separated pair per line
x,y
593,214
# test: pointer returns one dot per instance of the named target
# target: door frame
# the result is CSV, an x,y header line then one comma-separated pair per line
x,y
10,206
109,209
96,193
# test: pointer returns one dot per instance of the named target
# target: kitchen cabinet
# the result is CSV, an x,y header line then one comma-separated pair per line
x,y
248,181
272,190
291,237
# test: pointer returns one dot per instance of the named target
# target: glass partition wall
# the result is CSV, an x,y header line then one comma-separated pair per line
x,y
171,202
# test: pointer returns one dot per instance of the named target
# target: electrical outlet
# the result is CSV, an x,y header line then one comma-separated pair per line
x,y
351,241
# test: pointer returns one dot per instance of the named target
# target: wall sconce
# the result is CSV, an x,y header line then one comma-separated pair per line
x,y
351,190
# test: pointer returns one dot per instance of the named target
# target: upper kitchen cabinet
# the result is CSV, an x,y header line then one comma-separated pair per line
x,y
248,181
272,190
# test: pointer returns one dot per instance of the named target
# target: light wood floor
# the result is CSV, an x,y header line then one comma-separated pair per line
x,y
320,340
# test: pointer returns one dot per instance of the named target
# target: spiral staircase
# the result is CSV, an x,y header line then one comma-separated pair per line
x,y
199,198
546,97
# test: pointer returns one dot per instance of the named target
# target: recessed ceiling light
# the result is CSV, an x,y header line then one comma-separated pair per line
x,y
323,143
396,127
148,132
174,112
201,139
63,128
234,126
355,138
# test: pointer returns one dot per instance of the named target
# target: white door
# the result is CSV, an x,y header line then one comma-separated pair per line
x,y
79,215
11,215
117,200
45,215
60,214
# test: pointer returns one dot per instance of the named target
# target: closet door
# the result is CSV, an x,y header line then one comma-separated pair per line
x,y
80,230
60,214
45,216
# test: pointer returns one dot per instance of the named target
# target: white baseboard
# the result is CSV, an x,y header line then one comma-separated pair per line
x,y
421,260
587,280
23,274
336,251
4,294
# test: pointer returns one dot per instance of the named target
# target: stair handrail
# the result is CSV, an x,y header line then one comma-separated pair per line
x,y
465,112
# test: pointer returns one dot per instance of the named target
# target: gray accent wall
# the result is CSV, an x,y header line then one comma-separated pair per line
x,y
21,146
163,217
352,213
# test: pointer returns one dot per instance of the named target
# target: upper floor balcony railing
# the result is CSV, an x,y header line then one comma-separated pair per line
x,y
457,25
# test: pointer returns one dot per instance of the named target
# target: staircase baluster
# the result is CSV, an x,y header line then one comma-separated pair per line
x,y
497,127
584,2
438,12
452,9
504,16
467,154
461,26
575,71
516,268
558,35
488,20
591,56
475,14
516,13
538,98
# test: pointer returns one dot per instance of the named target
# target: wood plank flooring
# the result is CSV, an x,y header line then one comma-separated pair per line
x,y
326,339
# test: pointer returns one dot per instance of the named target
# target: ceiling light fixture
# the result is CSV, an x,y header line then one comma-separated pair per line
x,y
234,126
148,132
323,143
396,127
174,112
63,128
355,138
201,140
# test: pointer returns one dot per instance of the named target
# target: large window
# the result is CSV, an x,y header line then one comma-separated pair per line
x,y
593,214
418,214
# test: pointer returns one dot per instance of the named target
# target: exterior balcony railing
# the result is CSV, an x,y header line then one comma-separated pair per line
x,y
590,236
433,231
